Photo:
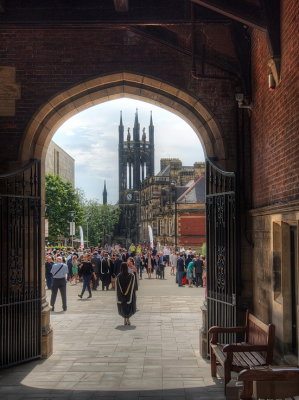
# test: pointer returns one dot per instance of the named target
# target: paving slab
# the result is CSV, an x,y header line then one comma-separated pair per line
x,y
97,357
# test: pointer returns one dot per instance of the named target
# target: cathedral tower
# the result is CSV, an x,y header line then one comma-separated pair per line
x,y
136,162
105,194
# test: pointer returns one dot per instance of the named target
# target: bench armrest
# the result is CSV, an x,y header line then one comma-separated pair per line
x,y
236,348
275,374
232,329
214,330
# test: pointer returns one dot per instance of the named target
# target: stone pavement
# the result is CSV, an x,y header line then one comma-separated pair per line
x,y
96,357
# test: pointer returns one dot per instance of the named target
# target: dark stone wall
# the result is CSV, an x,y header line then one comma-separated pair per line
x,y
51,60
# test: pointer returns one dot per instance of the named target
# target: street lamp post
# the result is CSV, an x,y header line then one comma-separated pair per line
x,y
87,233
174,193
87,216
72,230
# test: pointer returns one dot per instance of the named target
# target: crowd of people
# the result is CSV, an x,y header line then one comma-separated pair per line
x,y
116,268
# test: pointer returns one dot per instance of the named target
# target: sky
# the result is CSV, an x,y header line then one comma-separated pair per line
x,y
91,138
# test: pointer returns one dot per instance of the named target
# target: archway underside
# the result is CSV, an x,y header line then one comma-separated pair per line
x,y
105,88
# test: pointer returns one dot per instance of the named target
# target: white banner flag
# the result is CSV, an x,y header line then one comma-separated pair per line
x,y
151,236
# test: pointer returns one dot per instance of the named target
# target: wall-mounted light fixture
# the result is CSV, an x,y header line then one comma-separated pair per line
x,y
240,100
271,82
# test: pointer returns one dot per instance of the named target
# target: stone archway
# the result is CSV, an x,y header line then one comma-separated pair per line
x,y
62,106
104,88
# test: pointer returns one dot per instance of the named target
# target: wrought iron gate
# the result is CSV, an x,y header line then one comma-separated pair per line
x,y
221,247
20,269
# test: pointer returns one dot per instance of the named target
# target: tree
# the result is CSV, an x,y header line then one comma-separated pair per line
x,y
203,250
101,221
62,201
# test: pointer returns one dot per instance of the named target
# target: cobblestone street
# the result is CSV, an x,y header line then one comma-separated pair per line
x,y
96,357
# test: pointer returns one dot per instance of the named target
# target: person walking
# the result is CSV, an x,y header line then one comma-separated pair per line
x,y
161,266
86,271
59,272
190,268
96,262
149,263
105,276
198,264
137,261
173,262
48,266
180,269
70,266
126,296
75,278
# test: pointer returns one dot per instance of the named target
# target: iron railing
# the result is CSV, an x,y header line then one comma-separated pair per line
x,y
20,265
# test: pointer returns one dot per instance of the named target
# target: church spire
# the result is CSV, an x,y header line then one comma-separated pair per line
x,y
151,130
121,129
151,120
105,194
136,129
136,118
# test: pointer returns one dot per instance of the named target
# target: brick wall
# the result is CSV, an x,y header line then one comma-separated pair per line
x,y
49,61
191,229
275,136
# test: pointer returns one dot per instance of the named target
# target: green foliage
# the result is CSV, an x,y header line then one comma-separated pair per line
x,y
101,220
203,250
61,200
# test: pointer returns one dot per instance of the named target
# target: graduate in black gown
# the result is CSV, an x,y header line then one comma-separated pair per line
x,y
125,291
104,270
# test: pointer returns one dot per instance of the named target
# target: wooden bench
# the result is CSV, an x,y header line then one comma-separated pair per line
x,y
255,350
277,382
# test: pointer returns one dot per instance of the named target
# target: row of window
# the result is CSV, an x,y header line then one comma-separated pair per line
x,y
161,227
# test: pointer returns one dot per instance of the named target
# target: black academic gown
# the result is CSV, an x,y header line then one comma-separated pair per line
x,y
105,272
126,296
117,265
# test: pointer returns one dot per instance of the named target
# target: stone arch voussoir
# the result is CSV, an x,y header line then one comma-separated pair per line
x,y
62,106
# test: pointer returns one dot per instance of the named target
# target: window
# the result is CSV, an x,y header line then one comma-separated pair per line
x,y
160,227
170,232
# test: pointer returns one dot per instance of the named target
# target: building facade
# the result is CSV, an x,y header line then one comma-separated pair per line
x,y
136,162
59,162
172,203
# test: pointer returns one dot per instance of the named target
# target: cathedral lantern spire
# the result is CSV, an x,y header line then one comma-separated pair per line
x,y
128,135
136,129
121,129
105,194
136,118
